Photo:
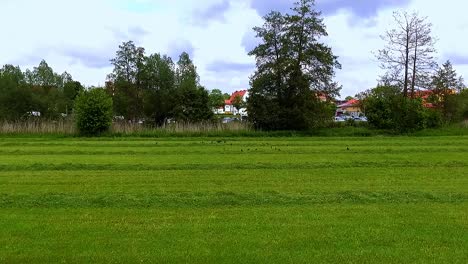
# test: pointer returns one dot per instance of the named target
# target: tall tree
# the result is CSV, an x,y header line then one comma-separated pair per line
x,y
159,85
446,78
293,67
127,78
192,100
408,55
444,84
45,76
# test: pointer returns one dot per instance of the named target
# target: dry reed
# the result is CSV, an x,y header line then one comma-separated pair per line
x,y
67,127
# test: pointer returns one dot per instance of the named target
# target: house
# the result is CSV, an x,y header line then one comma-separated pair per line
x,y
431,98
229,104
351,107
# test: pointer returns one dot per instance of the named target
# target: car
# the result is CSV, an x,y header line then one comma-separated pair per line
x,y
227,120
339,119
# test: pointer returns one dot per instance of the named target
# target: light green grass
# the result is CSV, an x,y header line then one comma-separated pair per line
x,y
234,200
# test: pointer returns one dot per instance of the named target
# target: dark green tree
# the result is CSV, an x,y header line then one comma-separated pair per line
x,y
192,100
71,90
15,98
293,67
128,79
159,86
216,98
447,87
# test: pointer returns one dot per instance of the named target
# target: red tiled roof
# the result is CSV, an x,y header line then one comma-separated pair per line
x,y
234,95
350,103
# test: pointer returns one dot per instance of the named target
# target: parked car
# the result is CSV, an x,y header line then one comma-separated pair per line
x,y
227,120
339,119
360,118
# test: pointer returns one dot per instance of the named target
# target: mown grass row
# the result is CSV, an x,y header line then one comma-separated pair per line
x,y
222,199
234,200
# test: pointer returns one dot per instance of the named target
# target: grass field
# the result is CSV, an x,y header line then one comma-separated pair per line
x,y
234,200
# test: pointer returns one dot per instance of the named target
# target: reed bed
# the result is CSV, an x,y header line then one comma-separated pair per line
x,y
67,127
38,127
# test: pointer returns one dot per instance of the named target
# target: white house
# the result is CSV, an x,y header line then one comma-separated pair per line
x,y
229,107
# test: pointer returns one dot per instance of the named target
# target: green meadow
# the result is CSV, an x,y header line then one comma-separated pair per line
x,y
234,200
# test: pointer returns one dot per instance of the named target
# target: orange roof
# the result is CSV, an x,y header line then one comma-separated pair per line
x,y
234,95
350,103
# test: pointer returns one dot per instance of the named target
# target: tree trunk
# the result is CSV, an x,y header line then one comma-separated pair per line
x,y
413,81
407,51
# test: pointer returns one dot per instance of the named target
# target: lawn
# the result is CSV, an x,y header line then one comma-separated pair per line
x,y
234,200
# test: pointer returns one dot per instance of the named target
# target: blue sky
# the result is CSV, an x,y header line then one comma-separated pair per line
x,y
81,36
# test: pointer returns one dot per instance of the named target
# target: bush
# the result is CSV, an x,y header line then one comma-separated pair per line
x,y
387,108
93,112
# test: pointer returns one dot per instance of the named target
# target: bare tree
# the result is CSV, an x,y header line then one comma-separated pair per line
x,y
408,53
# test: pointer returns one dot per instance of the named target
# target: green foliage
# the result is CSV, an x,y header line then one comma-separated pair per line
x,y
387,108
16,100
293,67
446,78
216,98
15,104
238,102
93,112
449,94
456,107
152,88
41,90
192,101
127,80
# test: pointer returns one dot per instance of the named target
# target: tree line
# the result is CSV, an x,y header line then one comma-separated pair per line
x,y
38,91
293,87
150,88
154,88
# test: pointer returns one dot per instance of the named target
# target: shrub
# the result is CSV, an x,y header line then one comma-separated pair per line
x,y
387,108
93,112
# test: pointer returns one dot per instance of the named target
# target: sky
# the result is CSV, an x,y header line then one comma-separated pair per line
x,y
81,36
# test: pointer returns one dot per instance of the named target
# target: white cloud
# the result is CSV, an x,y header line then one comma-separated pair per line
x,y
80,35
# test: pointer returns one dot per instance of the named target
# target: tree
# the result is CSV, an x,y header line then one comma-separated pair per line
x,y
44,76
216,99
348,98
93,112
408,54
71,90
238,102
159,87
192,100
445,83
446,78
11,74
293,67
15,98
47,89
127,77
